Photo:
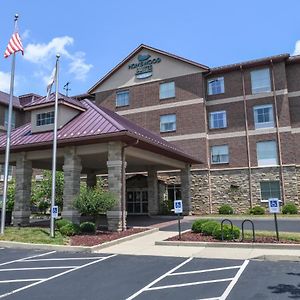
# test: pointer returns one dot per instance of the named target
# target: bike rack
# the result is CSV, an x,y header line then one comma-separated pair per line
x,y
253,231
226,220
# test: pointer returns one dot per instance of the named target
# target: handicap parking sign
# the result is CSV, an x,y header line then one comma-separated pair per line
x,y
274,206
178,209
55,212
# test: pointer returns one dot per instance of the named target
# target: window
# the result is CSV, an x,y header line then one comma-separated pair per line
x,y
167,123
13,119
174,192
45,118
269,189
215,86
217,119
266,153
167,90
219,154
263,116
260,81
122,98
2,169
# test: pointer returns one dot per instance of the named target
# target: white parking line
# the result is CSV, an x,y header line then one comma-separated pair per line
x,y
66,258
29,257
21,280
37,268
204,271
55,276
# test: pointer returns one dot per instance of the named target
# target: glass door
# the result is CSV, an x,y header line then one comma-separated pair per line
x,y
137,201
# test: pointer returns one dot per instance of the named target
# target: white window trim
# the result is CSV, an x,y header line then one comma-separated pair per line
x,y
267,164
214,113
211,155
168,97
160,123
265,124
209,88
258,90
122,92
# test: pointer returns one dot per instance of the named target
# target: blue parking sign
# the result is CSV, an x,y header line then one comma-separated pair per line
x,y
54,211
178,209
274,206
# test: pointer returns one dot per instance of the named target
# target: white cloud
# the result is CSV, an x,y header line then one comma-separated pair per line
x,y
4,82
297,48
25,35
44,55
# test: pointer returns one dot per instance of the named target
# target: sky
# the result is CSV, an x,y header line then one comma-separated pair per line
x,y
93,36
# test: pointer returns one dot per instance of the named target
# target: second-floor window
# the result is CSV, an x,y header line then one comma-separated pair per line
x,y
217,119
219,154
260,81
45,118
263,116
266,153
215,86
167,123
122,98
167,90
13,119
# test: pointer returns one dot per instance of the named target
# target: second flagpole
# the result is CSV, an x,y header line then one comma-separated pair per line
x,y
53,191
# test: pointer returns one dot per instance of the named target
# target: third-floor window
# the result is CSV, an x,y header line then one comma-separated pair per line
x,y
263,116
167,123
13,119
217,119
122,98
215,86
167,90
45,118
260,81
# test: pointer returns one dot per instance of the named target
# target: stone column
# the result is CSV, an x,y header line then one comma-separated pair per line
x,y
186,189
72,170
114,170
153,203
21,211
91,179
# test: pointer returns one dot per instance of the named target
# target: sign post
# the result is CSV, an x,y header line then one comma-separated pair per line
x,y
274,208
178,209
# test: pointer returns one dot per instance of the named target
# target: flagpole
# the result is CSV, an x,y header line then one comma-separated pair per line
x,y
8,134
52,223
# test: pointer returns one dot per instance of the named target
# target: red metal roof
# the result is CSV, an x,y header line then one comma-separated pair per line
x,y
94,124
44,102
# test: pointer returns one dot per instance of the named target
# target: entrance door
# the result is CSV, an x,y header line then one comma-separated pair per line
x,y
137,201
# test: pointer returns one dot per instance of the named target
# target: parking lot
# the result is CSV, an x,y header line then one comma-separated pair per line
x,y
28,274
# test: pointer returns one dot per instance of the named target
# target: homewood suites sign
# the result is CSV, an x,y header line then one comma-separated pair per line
x,y
144,66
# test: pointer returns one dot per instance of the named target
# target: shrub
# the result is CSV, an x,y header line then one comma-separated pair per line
x,y
70,229
62,222
197,225
225,210
208,227
257,210
94,201
227,233
88,227
289,208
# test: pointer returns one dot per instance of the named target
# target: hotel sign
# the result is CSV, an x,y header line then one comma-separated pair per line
x,y
144,66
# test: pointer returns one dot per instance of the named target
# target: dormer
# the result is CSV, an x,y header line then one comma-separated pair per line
x,y
42,112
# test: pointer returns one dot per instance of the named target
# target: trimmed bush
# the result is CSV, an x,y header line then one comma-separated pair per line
x,y
88,227
208,227
197,225
70,229
225,210
257,210
289,208
227,233
62,222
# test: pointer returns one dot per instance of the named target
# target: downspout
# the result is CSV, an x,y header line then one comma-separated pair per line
x,y
123,183
247,138
277,132
207,146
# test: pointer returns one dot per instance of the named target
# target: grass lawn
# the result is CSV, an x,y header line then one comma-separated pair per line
x,y
247,216
34,235
289,236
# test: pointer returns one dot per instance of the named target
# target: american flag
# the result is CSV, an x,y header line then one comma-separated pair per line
x,y
14,45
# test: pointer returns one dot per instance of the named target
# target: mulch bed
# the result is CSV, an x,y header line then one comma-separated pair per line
x,y
199,237
102,237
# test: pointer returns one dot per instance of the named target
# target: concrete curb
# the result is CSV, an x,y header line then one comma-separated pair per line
x,y
66,248
123,239
229,245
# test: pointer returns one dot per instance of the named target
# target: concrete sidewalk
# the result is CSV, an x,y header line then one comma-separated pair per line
x,y
146,246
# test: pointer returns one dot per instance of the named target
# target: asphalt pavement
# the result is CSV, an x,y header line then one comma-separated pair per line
x,y
30,275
